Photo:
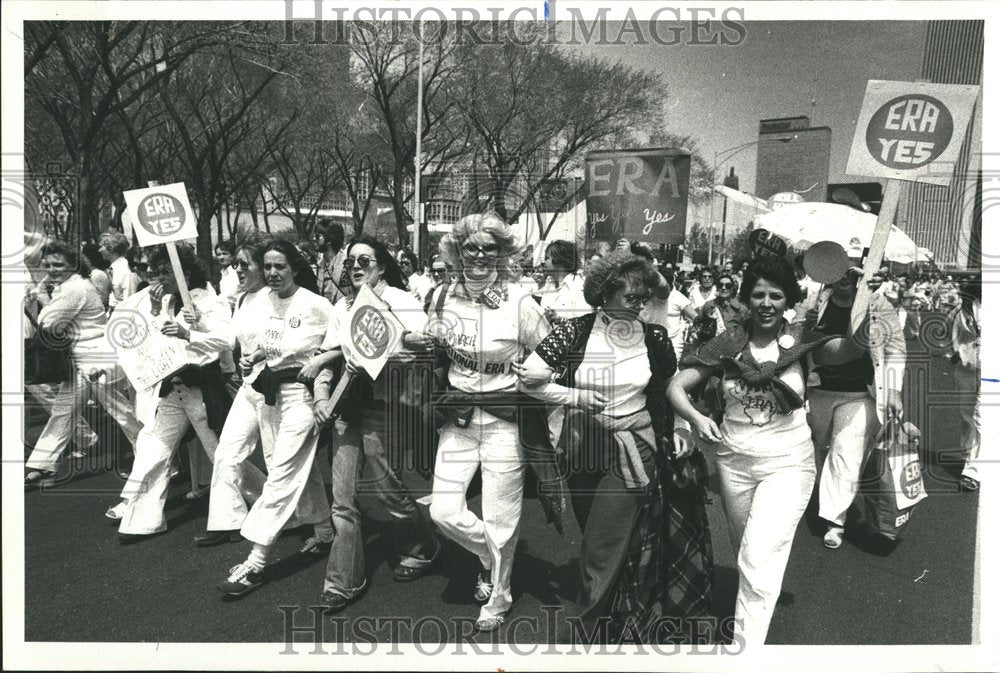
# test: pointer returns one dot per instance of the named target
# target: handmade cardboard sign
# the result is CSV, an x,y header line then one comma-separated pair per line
x,y
640,195
146,355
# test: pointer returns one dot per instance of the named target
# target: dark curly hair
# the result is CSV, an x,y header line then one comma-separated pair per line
x,y
775,270
391,273
563,254
198,272
610,274
302,273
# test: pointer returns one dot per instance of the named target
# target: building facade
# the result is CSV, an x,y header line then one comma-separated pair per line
x,y
793,156
948,219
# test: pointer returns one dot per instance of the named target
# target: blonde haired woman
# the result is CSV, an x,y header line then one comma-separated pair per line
x,y
487,325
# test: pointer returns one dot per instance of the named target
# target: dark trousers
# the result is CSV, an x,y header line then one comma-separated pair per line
x,y
606,512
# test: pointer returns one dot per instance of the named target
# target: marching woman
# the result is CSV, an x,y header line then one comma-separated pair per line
x,y
71,307
236,481
966,335
192,397
487,325
764,446
363,436
288,326
646,550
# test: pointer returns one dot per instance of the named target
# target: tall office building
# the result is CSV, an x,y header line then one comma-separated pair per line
x,y
948,219
793,156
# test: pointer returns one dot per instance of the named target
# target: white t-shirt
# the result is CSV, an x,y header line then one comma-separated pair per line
x,y
122,281
698,299
483,342
667,313
566,299
752,424
290,330
616,365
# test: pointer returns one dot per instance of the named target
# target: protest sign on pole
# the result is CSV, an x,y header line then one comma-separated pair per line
x,y
638,194
163,214
906,131
370,335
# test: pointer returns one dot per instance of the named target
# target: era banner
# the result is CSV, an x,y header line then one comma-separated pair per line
x,y
638,194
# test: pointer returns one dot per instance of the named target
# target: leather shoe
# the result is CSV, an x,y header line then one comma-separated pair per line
x,y
333,602
132,538
408,574
215,537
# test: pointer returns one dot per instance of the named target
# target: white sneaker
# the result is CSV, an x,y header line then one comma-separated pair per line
x,y
243,578
834,537
117,512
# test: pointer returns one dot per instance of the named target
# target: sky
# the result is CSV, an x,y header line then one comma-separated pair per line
x,y
718,94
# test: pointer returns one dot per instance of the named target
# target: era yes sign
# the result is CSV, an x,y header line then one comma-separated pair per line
x,y
161,214
910,130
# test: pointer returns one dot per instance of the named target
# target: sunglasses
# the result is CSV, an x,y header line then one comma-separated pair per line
x,y
636,299
438,272
488,250
724,286
364,261
241,264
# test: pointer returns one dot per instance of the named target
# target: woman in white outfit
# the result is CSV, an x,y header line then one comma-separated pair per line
x,y
362,436
966,335
74,310
288,325
764,447
487,327
192,397
236,481
850,402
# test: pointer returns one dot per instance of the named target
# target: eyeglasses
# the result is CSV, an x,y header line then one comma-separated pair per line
x,y
438,272
636,299
241,264
724,286
472,250
364,261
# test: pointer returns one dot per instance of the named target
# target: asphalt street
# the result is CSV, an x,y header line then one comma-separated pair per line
x,y
81,585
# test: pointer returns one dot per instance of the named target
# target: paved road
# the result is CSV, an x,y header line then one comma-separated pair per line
x,y
81,585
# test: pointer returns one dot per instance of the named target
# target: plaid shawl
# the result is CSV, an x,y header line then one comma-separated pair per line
x,y
668,568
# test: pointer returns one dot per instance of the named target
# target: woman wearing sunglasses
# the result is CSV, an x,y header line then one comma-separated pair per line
x,y
285,327
646,551
362,435
440,275
488,323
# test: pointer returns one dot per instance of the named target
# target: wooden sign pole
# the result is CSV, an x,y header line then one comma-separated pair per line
x,y
880,238
175,262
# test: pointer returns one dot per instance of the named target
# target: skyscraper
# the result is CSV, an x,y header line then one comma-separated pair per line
x,y
793,157
948,219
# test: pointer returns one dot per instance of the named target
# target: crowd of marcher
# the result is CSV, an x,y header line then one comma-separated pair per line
x,y
604,384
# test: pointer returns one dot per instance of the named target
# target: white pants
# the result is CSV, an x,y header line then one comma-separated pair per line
x,y
147,486
967,385
110,392
45,393
764,499
294,484
236,482
495,446
844,429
